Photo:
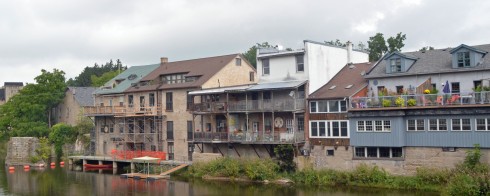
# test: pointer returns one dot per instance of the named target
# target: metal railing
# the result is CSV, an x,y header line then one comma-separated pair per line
x,y
421,100
250,137
251,105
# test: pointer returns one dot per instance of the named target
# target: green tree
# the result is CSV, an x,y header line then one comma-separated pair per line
x,y
337,42
376,47
395,44
425,48
251,54
85,78
100,81
61,134
285,156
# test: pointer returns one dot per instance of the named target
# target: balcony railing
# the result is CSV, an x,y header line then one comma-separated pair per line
x,y
421,100
250,137
122,111
251,105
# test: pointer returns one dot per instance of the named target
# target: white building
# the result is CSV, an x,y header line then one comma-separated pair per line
x,y
316,62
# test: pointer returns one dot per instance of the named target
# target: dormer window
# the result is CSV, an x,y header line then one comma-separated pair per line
x,y
395,65
464,59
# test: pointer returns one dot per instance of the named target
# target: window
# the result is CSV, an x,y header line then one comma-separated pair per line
x,y
130,100
415,125
170,150
301,124
399,89
189,130
325,106
170,130
483,124
463,59
238,61
437,125
330,152
379,125
152,126
461,124
190,101
173,78
378,152
395,65
251,76
169,101
454,87
266,67
300,65
329,129
152,99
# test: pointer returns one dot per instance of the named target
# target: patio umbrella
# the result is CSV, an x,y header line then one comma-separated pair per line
x,y
446,88
146,159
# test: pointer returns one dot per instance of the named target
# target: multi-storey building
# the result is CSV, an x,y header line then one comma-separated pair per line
x,y
70,109
8,90
329,138
404,122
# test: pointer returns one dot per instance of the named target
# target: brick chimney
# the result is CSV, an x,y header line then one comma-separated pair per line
x,y
163,60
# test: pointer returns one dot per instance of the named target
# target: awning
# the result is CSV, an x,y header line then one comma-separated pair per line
x,y
277,85
219,90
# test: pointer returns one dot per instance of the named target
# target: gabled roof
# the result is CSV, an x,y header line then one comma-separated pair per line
x,y
431,62
348,81
467,47
131,75
205,68
83,95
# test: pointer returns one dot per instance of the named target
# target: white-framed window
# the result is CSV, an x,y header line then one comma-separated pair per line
x,y
437,124
289,126
375,125
463,59
265,67
329,129
395,65
461,124
482,124
328,106
378,152
415,125
300,65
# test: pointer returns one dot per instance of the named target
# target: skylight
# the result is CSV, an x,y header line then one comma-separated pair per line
x,y
332,87
349,86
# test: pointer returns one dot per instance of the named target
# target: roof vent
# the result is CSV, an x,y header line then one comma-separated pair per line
x,y
349,86
332,87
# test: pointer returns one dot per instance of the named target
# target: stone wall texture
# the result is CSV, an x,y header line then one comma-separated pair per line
x,y
20,149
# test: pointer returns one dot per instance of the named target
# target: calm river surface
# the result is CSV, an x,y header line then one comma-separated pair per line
x,y
63,181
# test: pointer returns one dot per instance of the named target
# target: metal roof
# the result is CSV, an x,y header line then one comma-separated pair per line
x,y
277,85
219,90
132,75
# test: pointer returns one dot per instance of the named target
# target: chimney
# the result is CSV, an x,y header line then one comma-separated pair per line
x,y
349,52
163,60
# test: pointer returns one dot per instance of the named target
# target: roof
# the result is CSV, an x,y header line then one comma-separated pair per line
x,y
83,95
334,46
131,75
431,62
338,86
279,53
13,84
277,85
205,68
220,90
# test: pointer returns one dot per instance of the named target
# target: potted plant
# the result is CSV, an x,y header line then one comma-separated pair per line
x,y
411,102
399,102
386,103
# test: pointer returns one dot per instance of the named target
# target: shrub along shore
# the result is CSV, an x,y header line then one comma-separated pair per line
x,y
468,178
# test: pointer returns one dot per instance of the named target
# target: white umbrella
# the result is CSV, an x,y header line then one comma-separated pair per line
x,y
147,159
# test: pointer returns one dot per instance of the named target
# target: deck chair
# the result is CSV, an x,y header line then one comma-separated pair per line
x,y
439,100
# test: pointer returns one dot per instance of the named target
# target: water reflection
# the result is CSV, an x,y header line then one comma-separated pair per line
x,y
67,181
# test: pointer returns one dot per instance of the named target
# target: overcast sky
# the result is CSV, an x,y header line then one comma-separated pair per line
x,y
70,35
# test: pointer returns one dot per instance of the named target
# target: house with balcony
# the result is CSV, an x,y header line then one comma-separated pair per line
x,y
168,87
112,111
423,109
328,134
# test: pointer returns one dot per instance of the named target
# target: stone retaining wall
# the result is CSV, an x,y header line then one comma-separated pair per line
x,y
20,149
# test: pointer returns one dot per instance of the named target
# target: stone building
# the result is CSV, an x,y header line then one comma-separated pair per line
x,y
71,108
8,90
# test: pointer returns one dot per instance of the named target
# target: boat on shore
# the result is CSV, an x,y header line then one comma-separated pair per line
x,y
96,166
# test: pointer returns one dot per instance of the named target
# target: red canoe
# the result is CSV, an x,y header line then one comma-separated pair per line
x,y
97,166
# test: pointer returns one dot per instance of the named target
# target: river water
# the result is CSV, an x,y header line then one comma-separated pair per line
x,y
67,181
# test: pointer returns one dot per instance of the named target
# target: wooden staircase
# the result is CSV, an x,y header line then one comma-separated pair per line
x,y
168,172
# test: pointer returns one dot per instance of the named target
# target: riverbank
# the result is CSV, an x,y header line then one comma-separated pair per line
x,y
468,178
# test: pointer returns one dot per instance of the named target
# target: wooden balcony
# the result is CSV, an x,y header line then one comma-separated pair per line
x,y
250,106
250,137
464,99
122,111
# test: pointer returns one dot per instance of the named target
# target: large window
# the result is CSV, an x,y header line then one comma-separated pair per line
x,y
378,152
461,124
189,130
437,125
483,124
266,67
130,100
415,125
395,65
170,150
152,99
463,59
454,87
169,101
329,129
325,106
173,78
190,101
375,125
238,61
300,65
